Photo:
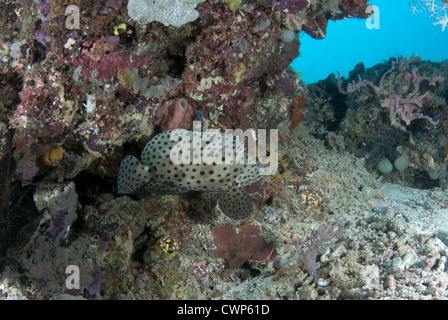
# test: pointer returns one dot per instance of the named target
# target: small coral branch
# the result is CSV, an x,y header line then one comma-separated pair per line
x,y
323,237
407,108
352,87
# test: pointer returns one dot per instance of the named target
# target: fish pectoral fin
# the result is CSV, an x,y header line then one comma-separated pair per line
x,y
235,203
212,195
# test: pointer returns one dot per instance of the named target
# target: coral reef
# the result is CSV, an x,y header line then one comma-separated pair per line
x,y
400,107
123,70
402,99
389,250
83,87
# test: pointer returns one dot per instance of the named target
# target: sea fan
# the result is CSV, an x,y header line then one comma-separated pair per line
x,y
437,8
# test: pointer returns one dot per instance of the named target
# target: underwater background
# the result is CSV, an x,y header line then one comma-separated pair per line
x,y
346,99
400,32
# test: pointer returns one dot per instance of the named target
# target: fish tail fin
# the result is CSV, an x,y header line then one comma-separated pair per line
x,y
132,175
235,203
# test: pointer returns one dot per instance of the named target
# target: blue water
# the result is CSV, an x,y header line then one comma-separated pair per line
x,y
349,42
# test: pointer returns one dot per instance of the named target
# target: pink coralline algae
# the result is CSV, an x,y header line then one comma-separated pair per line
x,y
237,248
109,64
174,114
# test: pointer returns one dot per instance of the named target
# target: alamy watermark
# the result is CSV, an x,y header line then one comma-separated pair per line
x,y
72,281
373,18
72,13
212,147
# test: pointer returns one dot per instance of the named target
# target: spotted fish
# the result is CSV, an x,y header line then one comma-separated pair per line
x,y
179,161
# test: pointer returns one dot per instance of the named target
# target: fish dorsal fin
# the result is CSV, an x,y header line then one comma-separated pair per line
x,y
235,203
